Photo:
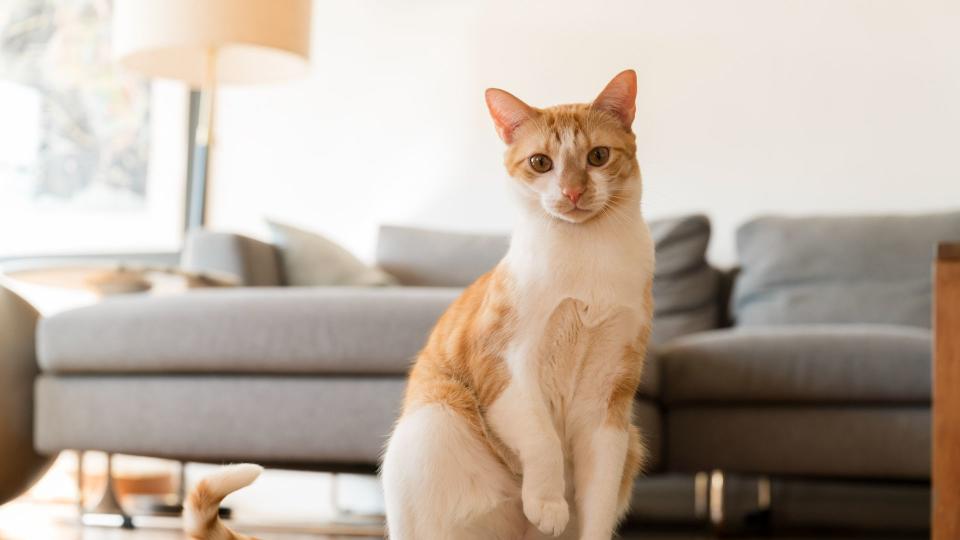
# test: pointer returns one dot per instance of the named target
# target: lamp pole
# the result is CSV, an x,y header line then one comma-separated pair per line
x,y
203,145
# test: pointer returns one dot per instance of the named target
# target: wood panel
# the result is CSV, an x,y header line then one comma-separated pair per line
x,y
946,394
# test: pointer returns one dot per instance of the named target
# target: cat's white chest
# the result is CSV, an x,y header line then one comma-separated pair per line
x,y
609,270
606,272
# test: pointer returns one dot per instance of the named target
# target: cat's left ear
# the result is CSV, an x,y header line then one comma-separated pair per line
x,y
620,98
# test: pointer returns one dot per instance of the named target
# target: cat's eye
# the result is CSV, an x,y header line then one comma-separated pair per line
x,y
541,163
598,156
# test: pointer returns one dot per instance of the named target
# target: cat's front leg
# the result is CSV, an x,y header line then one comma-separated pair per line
x,y
607,460
606,447
521,419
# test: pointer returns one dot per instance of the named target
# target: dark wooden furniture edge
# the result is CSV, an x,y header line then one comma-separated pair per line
x,y
946,398
948,251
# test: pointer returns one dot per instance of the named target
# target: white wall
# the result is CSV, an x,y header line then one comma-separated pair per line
x,y
745,107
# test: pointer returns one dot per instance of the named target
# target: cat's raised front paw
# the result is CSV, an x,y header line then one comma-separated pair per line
x,y
550,516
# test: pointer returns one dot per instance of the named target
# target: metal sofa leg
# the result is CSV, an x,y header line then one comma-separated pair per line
x,y
715,502
107,512
738,504
346,517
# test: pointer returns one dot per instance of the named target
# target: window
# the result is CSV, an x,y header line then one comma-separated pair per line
x,y
92,158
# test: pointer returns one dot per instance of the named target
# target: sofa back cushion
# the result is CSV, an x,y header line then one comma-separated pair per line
x,y
313,260
428,258
872,269
251,262
685,288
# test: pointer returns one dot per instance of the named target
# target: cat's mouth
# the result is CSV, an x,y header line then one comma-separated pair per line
x,y
573,214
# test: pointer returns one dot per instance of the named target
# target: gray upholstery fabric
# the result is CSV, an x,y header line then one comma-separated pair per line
x,y
665,499
865,506
672,325
334,330
839,269
800,364
855,507
422,257
685,288
828,441
681,243
254,263
686,291
20,465
286,330
652,376
646,416
277,419
299,419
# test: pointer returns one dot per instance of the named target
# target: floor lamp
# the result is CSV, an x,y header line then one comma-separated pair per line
x,y
206,43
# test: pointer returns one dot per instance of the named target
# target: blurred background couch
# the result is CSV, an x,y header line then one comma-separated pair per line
x,y
791,393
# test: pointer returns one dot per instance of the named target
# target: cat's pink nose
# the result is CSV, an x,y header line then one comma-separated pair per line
x,y
572,193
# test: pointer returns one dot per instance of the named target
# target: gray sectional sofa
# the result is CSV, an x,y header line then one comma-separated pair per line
x,y
792,394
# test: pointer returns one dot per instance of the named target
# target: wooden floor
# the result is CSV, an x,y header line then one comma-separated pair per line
x,y
31,521
49,512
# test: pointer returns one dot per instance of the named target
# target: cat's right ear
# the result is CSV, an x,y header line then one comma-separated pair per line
x,y
508,112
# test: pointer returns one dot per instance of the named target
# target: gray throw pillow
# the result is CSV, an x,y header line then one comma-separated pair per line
x,y
312,260
867,269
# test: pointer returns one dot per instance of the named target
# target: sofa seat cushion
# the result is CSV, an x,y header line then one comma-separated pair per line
x,y
302,419
828,441
333,331
799,364
322,331
337,330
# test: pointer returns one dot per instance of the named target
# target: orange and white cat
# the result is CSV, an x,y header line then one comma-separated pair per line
x,y
516,422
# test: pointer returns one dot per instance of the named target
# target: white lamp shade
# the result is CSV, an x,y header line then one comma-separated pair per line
x,y
254,40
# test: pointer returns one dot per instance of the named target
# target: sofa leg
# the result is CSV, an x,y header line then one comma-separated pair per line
x,y
80,473
715,502
182,485
346,517
107,512
701,496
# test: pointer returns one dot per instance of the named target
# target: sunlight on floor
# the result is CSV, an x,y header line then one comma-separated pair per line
x,y
289,499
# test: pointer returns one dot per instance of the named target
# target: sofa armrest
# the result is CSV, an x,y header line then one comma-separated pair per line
x,y
253,262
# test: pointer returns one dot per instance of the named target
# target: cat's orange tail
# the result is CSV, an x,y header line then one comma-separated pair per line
x,y
200,512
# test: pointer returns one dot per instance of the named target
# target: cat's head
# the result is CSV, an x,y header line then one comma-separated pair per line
x,y
575,162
